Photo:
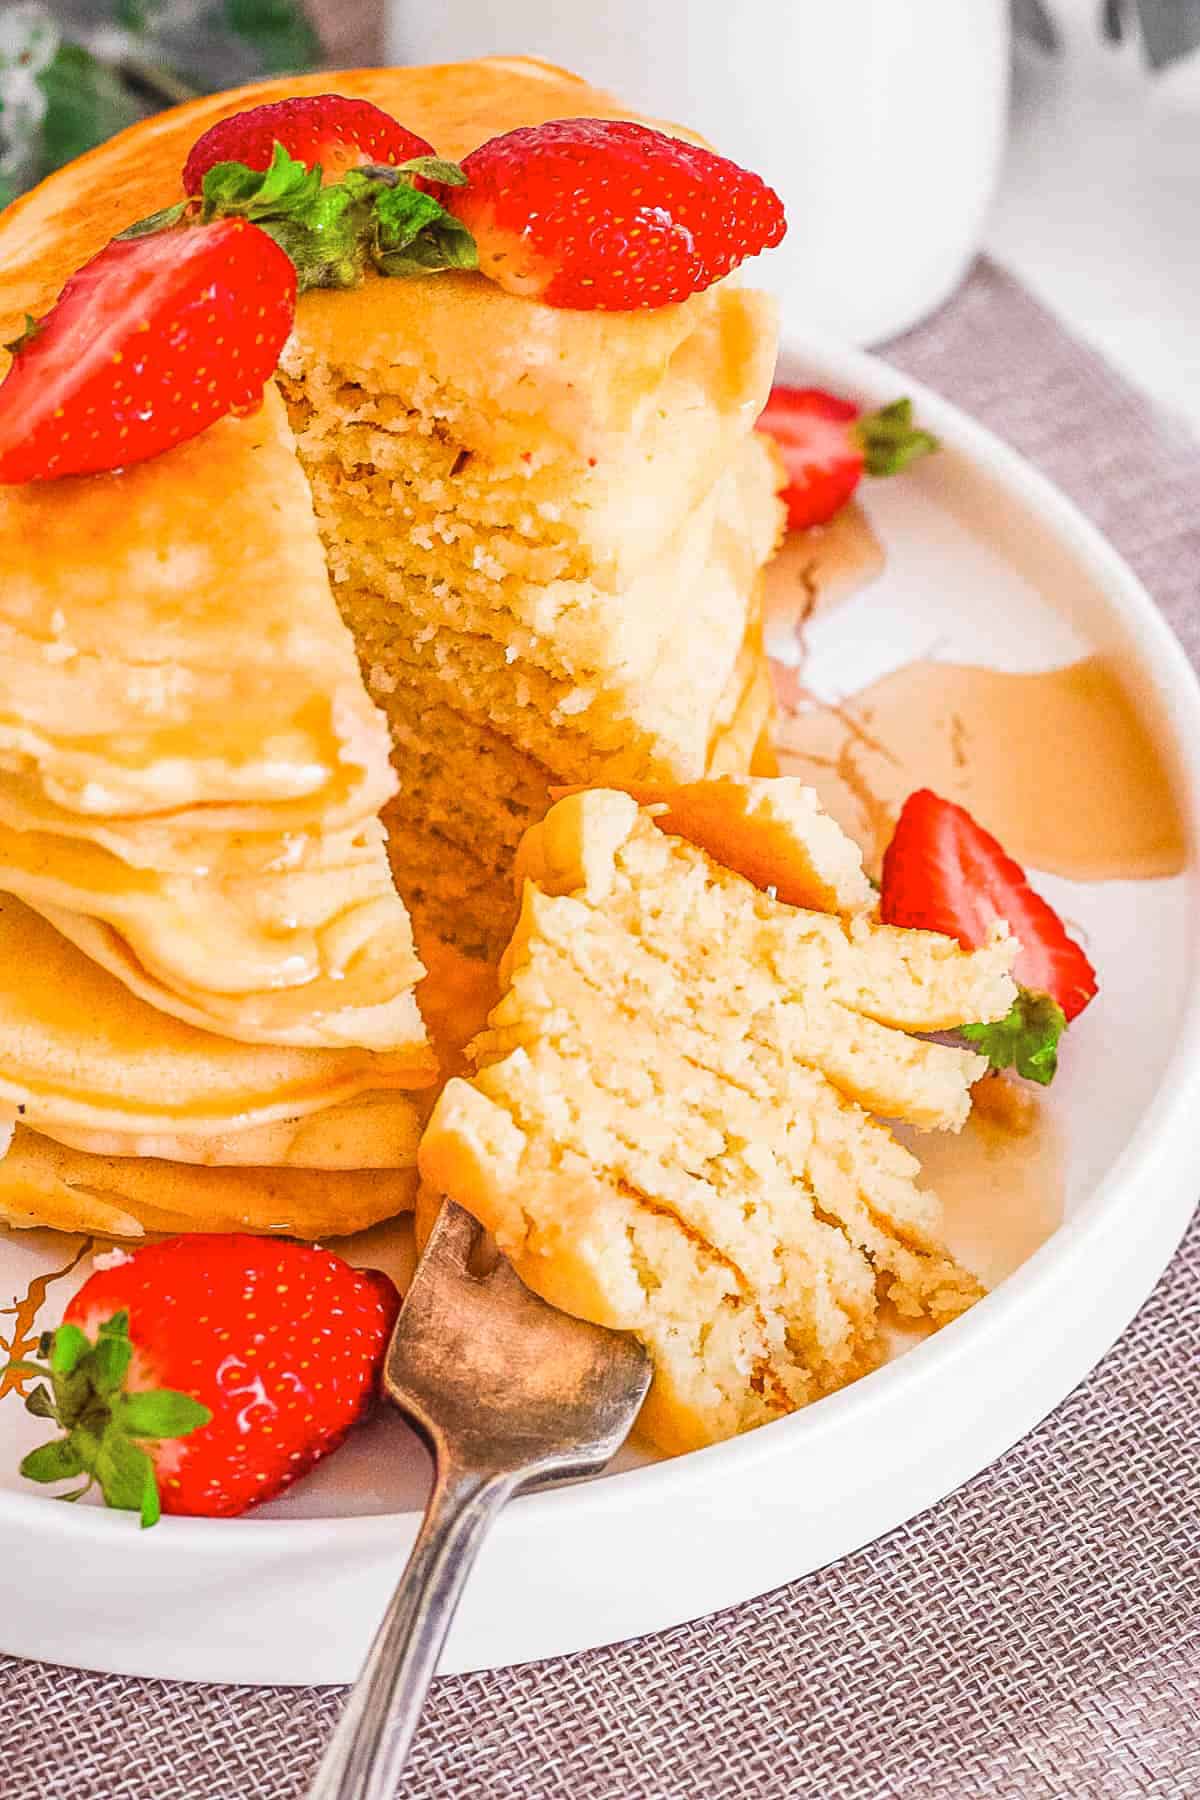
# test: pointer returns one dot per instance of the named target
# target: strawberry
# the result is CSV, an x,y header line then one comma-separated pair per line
x,y
205,1374
149,343
325,129
943,872
827,446
606,214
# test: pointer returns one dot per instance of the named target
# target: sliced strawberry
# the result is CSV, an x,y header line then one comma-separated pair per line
x,y
827,446
150,343
206,1374
326,129
943,872
823,458
606,214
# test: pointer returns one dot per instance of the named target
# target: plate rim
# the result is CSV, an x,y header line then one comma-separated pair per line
x,y
1175,1100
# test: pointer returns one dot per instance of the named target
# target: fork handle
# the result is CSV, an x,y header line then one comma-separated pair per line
x,y
368,1749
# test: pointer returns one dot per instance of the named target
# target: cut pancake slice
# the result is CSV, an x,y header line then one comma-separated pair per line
x,y
774,832
528,446
549,554
671,1127
78,1050
43,1183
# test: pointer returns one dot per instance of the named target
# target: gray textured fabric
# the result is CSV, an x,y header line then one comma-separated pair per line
x,y
1035,1635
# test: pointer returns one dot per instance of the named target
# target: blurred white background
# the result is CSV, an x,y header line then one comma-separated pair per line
x,y
1097,205
1098,208
880,122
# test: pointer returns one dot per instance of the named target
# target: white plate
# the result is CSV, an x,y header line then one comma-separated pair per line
x,y
983,554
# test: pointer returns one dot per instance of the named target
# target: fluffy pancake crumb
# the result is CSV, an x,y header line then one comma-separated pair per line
x,y
676,1120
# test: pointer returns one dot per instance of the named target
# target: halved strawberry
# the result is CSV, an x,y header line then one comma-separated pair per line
x,y
943,872
329,129
207,1373
827,446
150,343
606,214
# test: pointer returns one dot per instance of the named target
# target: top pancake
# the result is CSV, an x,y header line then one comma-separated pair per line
x,y
52,231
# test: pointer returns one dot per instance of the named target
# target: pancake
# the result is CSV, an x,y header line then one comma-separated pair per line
x,y
366,998
78,1050
320,954
167,642
42,1183
373,1131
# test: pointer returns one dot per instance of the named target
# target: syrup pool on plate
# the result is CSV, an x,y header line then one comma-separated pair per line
x,y
1056,763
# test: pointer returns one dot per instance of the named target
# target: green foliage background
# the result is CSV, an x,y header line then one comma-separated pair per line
x,y
73,72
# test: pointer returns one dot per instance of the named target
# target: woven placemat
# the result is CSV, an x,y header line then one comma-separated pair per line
x,y
1036,1634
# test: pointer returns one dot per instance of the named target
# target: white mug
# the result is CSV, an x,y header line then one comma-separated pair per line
x,y
881,122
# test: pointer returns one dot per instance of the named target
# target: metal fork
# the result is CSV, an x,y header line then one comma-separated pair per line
x,y
511,1395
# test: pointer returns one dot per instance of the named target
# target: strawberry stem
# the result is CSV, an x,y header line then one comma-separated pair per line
x,y
374,216
31,329
162,220
82,1388
1026,1039
890,441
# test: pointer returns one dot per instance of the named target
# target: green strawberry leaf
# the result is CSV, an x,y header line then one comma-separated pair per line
x,y
160,1413
41,1403
328,244
125,1474
890,441
163,220
110,1364
1026,1039
285,186
401,212
331,230
32,328
69,1348
322,228
434,168
101,1421
151,1507
59,1461
441,244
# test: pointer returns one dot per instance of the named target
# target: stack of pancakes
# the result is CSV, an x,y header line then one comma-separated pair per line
x,y
203,961
537,543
